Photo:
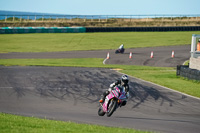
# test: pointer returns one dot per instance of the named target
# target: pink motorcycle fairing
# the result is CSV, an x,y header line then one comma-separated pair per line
x,y
114,94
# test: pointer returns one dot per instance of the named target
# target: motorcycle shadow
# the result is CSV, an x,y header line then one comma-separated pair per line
x,y
140,93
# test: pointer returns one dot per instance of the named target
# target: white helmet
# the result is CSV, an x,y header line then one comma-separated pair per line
x,y
125,79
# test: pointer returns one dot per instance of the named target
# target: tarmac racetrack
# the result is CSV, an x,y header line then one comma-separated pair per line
x,y
72,94
141,56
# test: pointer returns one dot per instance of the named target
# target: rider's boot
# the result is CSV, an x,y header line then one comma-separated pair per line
x,y
102,99
103,96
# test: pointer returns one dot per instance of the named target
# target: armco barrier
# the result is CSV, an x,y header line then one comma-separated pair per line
x,y
18,30
138,29
14,30
185,71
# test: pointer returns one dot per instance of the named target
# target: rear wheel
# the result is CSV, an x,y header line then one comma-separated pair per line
x,y
111,107
101,112
122,50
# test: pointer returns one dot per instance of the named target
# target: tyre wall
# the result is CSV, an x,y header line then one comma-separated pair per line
x,y
17,30
185,71
142,29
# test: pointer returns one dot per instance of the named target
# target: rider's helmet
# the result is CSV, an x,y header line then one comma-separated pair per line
x,y
124,79
121,46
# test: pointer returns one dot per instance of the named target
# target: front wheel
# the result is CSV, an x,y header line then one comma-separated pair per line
x,y
101,112
117,51
111,107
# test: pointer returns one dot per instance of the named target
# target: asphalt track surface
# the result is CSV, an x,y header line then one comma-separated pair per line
x,y
72,94
141,56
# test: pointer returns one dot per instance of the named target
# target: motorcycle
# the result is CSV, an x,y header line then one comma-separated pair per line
x,y
120,51
112,101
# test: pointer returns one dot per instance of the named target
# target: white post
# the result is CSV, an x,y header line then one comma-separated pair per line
x,y
193,46
84,18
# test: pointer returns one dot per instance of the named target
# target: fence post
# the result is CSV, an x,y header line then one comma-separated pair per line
x,y
84,18
5,18
13,18
178,68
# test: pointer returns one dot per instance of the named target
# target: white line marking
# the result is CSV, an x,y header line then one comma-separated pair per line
x,y
104,62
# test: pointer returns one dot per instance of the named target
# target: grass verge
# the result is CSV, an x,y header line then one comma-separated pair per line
x,y
44,42
20,124
165,76
90,41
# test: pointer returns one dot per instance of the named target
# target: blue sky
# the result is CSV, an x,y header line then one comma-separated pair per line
x,y
103,7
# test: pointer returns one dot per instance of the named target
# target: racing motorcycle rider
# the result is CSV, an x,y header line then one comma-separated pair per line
x,y
123,83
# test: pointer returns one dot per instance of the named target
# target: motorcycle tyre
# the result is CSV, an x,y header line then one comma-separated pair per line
x,y
112,108
101,112
117,51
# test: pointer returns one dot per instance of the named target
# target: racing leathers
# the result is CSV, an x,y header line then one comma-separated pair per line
x,y
124,87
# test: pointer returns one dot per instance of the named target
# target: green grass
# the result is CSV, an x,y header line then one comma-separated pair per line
x,y
187,62
20,124
45,42
75,62
90,41
165,76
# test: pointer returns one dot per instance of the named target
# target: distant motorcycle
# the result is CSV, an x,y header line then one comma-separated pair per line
x,y
120,51
112,102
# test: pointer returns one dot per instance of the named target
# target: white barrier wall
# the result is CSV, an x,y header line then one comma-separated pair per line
x,y
195,63
195,53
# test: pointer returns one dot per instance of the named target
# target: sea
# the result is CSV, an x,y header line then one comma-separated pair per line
x,y
31,15
35,15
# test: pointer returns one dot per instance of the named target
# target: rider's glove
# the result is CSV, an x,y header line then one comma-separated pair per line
x,y
112,85
109,89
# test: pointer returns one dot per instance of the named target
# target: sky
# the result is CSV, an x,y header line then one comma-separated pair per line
x,y
103,7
